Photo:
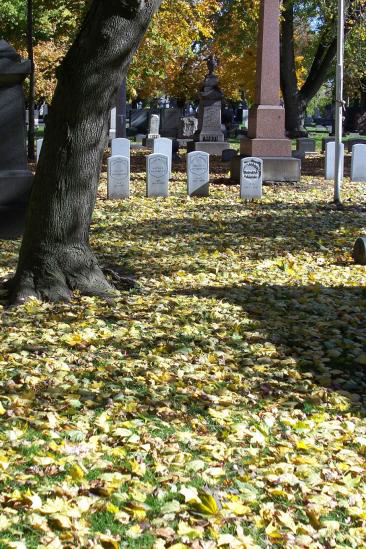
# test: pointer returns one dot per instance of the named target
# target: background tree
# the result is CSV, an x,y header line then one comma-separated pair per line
x,y
55,257
309,29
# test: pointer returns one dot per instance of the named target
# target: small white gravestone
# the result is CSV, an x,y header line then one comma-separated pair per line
x,y
198,173
157,175
113,122
39,144
154,127
330,159
118,177
251,178
163,145
358,163
121,147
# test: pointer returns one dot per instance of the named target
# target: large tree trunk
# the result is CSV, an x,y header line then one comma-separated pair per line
x,y
55,258
296,100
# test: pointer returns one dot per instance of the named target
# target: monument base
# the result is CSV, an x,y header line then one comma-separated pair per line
x,y
278,169
265,147
12,222
211,147
15,187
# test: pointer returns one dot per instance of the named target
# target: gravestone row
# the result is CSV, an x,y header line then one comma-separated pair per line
x,y
358,162
158,172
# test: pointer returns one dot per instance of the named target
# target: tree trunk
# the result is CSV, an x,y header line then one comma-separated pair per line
x,y
31,80
294,106
297,100
55,258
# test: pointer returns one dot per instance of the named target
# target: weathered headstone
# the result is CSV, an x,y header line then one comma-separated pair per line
x,y
39,144
358,163
245,118
198,173
188,127
15,178
170,119
163,145
118,177
305,144
228,154
121,147
355,141
154,127
251,178
330,160
326,140
359,251
113,121
157,175
139,120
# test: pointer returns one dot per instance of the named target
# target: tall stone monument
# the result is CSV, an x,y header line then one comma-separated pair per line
x,y
209,136
266,128
15,178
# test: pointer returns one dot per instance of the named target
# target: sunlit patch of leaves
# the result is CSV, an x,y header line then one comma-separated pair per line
x,y
220,404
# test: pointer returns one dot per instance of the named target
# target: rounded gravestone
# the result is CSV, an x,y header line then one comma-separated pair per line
x,y
359,251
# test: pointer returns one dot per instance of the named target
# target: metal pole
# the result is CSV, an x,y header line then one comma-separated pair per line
x,y
338,172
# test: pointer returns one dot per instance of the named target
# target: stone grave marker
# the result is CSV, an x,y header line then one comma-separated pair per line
x,y
198,173
355,141
39,144
330,160
15,178
251,178
121,147
154,127
113,122
118,177
157,175
164,145
358,163
359,251
305,144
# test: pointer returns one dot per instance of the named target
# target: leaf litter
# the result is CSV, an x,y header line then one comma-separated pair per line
x,y
219,404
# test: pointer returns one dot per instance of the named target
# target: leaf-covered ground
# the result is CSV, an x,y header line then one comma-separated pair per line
x,y
220,404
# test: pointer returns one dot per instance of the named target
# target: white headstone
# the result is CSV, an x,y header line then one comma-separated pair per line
x,y
198,173
251,178
245,118
38,148
118,177
121,147
330,159
113,122
358,163
163,145
157,175
154,126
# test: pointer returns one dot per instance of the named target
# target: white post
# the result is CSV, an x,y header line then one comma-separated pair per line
x,y
338,175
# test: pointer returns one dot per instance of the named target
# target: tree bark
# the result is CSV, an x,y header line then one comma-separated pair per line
x,y
296,100
55,257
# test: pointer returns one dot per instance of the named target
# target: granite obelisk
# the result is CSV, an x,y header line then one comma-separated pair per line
x,y
266,130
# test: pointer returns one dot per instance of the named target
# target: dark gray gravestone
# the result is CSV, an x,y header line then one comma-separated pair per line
x,y
139,119
359,251
15,178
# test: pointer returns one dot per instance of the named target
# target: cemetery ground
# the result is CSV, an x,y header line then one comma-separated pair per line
x,y
220,403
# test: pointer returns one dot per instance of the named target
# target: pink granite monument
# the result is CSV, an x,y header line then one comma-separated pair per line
x,y
266,130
